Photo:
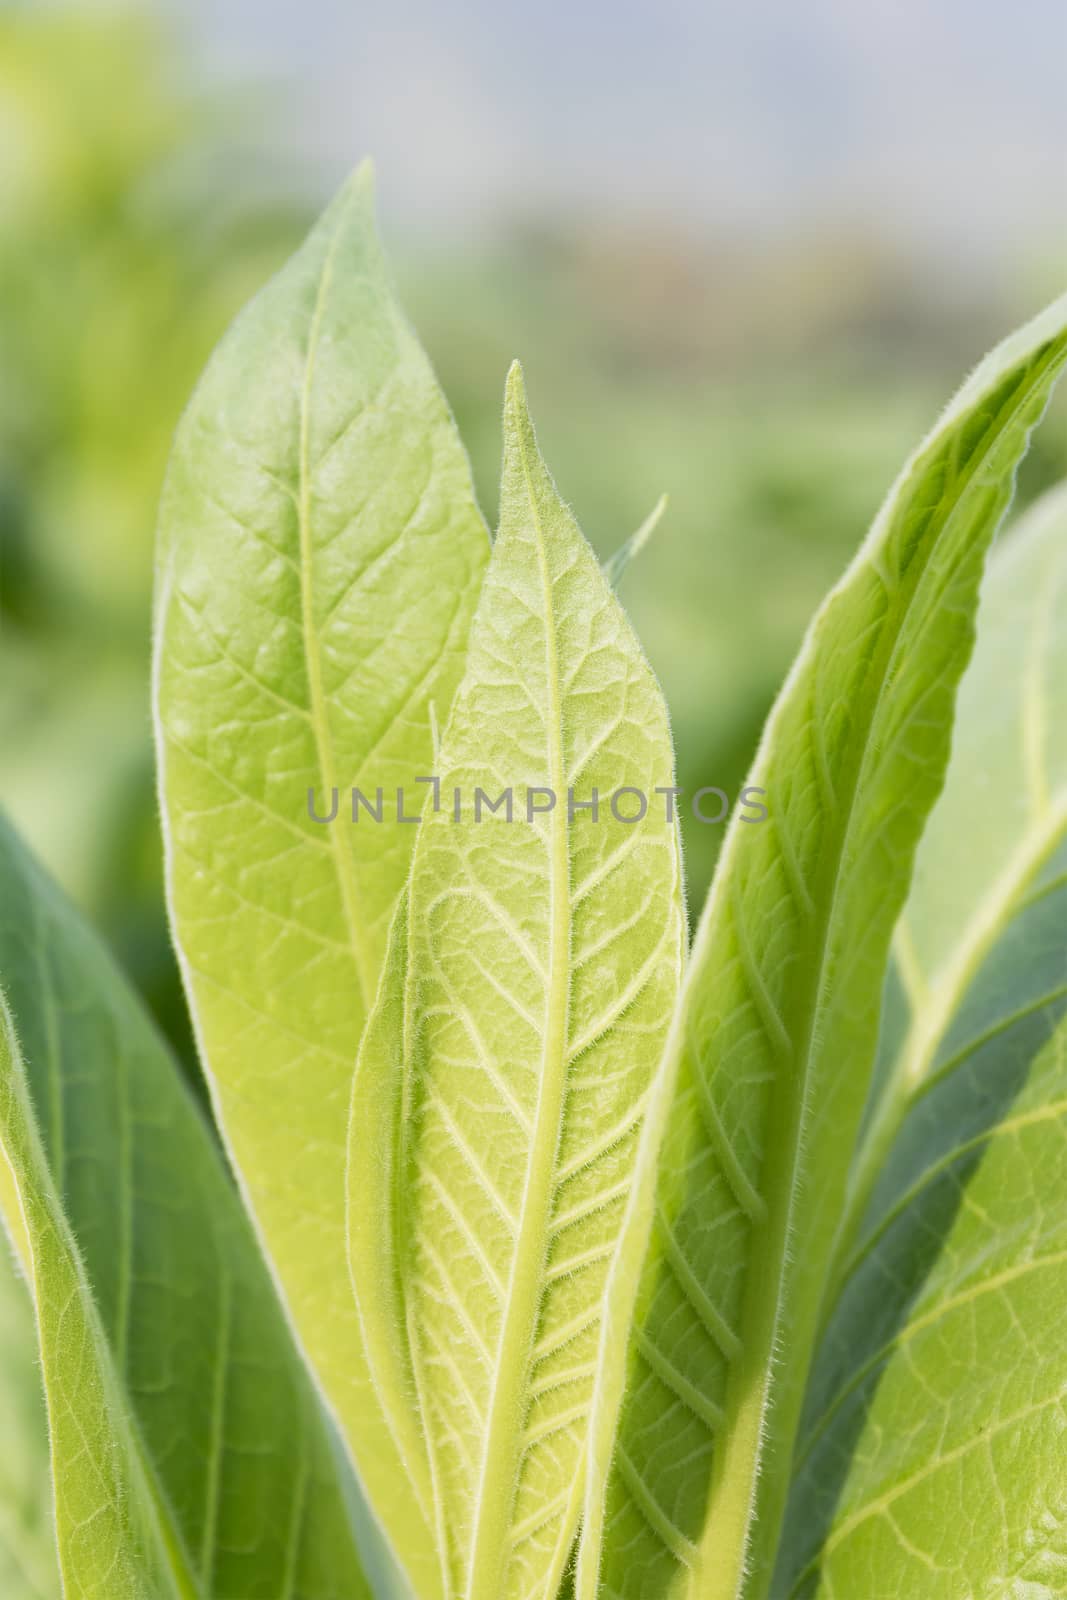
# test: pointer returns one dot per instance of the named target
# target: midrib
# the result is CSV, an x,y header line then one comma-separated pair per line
x,y
500,1461
318,707
723,1560
362,956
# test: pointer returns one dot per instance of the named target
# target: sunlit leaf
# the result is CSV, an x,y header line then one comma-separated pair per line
x,y
321,555
770,1058
501,1088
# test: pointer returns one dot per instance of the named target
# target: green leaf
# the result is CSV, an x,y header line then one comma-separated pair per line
x,y
321,555
502,1083
1002,817
737,1200
617,563
956,1484
110,1538
980,984
28,1567
190,1455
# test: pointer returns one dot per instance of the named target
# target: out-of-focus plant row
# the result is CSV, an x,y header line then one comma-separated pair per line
x,y
133,223
126,243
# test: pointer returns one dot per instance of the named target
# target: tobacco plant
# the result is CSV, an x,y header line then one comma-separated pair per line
x,y
546,1254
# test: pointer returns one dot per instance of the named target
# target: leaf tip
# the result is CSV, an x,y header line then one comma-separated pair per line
x,y
617,564
515,391
520,443
357,193
364,178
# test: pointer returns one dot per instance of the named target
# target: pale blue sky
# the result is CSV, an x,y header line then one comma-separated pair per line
x,y
939,121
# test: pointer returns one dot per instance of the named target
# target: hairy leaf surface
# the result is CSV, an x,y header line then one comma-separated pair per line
x,y
770,1054
321,554
190,1454
979,986
501,1087
28,1566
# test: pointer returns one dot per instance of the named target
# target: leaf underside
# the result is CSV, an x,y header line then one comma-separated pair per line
x,y
501,1086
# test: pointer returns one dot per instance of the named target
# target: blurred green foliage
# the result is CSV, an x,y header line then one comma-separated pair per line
x,y
127,241
772,389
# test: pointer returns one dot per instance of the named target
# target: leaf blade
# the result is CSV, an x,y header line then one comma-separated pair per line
x,y
852,759
321,556
176,1380
985,918
540,980
96,1470
28,1564
970,872
989,1435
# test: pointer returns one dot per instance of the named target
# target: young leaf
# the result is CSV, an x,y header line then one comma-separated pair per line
x,y
981,983
190,1455
956,1485
737,1198
501,1087
616,564
28,1567
321,554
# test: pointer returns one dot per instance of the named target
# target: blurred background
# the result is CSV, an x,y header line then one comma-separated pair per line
x,y
745,253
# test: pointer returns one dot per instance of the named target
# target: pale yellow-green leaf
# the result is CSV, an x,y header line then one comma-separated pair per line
x,y
320,556
503,1080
